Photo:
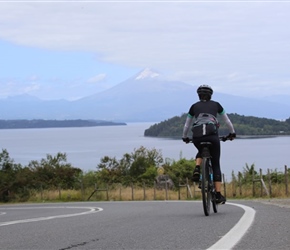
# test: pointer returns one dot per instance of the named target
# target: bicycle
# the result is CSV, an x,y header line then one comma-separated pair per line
x,y
206,178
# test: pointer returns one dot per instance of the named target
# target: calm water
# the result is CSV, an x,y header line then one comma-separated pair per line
x,y
86,146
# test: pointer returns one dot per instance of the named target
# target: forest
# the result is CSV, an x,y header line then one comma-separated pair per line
x,y
244,126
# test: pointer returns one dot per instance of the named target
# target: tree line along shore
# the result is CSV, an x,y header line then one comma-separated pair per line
x,y
40,123
245,126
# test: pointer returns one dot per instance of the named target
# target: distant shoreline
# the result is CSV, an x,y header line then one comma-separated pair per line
x,y
238,137
39,123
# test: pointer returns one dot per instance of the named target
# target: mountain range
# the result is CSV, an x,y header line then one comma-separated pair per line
x,y
145,97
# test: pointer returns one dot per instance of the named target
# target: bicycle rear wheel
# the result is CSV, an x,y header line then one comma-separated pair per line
x,y
205,189
214,205
212,190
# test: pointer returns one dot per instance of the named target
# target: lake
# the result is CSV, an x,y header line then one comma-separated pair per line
x,y
86,146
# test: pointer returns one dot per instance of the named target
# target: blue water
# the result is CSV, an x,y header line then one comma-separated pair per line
x,y
86,146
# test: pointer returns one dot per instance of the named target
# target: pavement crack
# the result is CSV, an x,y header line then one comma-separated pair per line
x,y
79,244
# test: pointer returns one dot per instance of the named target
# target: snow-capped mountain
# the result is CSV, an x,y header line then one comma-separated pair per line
x,y
146,73
143,97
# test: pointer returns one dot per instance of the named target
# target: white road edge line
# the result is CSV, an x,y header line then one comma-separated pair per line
x,y
229,240
92,210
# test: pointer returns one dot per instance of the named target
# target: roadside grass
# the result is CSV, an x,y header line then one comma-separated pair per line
x,y
120,193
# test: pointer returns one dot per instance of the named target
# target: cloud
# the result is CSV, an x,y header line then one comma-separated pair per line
x,y
31,88
97,78
226,42
17,87
33,78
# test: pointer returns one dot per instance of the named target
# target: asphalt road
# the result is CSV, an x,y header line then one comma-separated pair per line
x,y
144,225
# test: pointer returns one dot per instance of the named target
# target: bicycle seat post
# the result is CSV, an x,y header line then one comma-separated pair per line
x,y
205,148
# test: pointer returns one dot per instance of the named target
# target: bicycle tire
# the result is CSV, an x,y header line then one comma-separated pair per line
x,y
205,189
214,205
212,189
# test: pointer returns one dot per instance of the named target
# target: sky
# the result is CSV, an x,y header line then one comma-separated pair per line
x,y
71,49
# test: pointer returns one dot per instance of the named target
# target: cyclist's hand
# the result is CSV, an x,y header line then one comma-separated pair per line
x,y
231,136
224,138
186,140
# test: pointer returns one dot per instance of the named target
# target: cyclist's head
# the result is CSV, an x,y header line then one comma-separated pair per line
x,y
204,92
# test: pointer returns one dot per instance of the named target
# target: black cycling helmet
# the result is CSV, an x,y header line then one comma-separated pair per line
x,y
204,92
204,89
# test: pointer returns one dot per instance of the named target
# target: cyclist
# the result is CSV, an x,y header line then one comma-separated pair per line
x,y
205,128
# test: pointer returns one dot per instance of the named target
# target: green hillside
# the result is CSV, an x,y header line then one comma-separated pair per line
x,y
244,126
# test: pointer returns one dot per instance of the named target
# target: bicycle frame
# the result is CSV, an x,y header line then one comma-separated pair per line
x,y
206,178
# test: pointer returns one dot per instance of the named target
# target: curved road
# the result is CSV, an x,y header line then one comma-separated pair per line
x,y
144,225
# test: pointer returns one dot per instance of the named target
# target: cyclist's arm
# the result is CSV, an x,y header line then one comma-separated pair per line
x,y
227,121
187,125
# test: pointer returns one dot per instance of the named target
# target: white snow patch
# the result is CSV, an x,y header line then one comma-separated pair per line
x,y
147,73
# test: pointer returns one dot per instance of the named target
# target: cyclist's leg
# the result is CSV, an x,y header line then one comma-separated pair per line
x,y
198,160
196,171
215,153
215,160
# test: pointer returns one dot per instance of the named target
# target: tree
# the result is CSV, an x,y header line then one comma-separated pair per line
x,y
180,169
142,160
244,125
132,167
8,173
248,173
54,171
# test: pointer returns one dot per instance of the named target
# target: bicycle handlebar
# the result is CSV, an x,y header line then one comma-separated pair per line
x,y
222,138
